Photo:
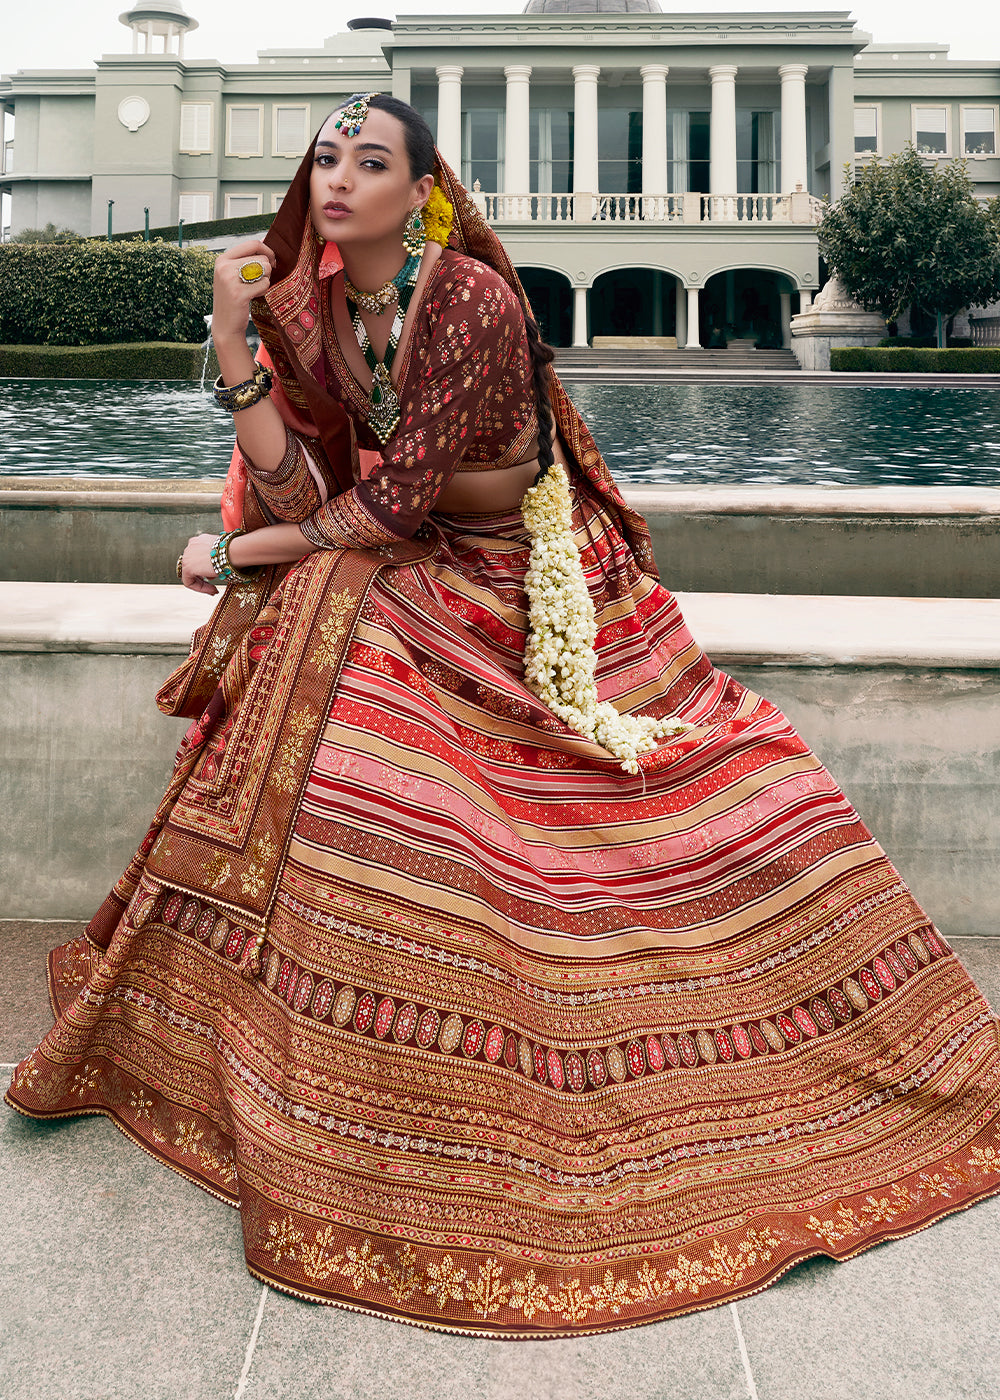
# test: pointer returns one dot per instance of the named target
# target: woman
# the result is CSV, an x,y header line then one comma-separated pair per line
x,y
489,1011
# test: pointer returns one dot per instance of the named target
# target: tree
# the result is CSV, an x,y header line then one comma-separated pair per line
x,y
48,234
911,232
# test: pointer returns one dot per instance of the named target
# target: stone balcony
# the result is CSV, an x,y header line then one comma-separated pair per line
x,y
689,207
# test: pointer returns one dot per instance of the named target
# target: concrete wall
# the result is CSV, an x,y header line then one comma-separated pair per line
x,y
932,542
85,755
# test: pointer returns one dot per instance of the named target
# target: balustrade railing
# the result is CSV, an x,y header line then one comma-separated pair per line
x,y
985,330
689,207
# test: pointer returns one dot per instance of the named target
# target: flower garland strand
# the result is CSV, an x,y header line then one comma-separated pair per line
x,y
559,660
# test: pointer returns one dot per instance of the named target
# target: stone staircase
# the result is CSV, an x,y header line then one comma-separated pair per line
x,y
651,364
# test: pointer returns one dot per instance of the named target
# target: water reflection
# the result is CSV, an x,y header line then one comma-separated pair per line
x,y
682,434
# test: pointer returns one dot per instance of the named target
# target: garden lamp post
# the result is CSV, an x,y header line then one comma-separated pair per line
x,y
146,231
180,233
111,205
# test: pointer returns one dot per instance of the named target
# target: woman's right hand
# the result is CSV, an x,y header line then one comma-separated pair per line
x,y
231,296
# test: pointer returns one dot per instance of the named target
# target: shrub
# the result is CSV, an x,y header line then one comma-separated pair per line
x,y
914,360
207,228
95,293
156,361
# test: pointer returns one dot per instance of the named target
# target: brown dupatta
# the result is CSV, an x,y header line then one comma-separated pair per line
x,y
287,317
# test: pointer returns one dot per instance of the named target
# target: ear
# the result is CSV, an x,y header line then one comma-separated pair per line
x,y
422,189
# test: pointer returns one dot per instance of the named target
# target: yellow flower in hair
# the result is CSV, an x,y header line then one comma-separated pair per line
x,y
438,216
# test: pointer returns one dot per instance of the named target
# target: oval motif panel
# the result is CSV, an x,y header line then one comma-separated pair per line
x,y
772,1035
473,1038
539,1059
654,1053
525,1056
322,1000
343,1007
742,1041
822,1014
788,1029
896,963
273,963
204,925
804,1021
855,995
575,1074
364,1013
871,984
905,955
510,1050
919,947
759,1043
406,1023
555,1067
724,1046
634,1057
706,1047
597,1070
234,943
450,1033
884,973
385,1013
688,1050
283,976
303,991
427,1028
172,908
670,1050
493,1048
219,935
839,1004
617,1067
189,916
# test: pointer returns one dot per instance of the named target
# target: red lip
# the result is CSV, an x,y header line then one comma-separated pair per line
x,y
334,207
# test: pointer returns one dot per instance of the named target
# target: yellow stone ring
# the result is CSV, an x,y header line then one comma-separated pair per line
x,y
251,271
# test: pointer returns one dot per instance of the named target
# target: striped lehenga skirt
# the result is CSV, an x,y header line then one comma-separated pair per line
x,y
512,1042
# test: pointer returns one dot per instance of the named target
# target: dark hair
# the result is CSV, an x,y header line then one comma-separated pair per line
x,y
542,356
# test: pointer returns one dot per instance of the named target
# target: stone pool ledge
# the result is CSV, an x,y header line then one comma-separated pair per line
x,y
881,541
899,696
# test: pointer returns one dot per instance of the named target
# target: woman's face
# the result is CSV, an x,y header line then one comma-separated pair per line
x,y
361,190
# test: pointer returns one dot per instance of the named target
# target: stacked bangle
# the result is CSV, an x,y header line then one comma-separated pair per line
x,y
225,571
233,397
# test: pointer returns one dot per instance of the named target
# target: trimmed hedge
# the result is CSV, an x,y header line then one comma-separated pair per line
x,y
912,360
208,228
160,360
103,293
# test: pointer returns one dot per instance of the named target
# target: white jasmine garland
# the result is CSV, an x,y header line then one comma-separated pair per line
x,y
559,658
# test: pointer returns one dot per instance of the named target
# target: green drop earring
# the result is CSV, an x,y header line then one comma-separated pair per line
x,y
414,234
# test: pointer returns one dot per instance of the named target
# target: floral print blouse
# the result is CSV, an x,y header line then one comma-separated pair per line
x,y
467,403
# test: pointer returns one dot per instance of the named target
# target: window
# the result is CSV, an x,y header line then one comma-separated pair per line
x,y
756,152
483,149
688,146
979,131
194,208
244,131
238,205
619,151
930,130
289,130
276,201
551,150
866,131
196,128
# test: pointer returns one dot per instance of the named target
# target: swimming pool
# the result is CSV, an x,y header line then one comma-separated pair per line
x,y
657,434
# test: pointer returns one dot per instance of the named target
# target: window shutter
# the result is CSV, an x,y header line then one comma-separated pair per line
x,y
193,208
196,126
239,205
244,131
290,131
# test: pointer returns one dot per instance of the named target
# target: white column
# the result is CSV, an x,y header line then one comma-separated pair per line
x,y
785,298
805,302
585,76
449,134
580,340
517,163
680,313
722,178
692,342
654,135
794,153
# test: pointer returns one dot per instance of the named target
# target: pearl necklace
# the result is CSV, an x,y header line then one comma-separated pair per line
x,y
376,302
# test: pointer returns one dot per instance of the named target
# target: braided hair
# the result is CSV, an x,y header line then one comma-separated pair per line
x,y
542,356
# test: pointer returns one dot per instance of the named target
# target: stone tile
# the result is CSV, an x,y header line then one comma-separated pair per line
x,y
308,1352
25,1014
121,1280
914,1319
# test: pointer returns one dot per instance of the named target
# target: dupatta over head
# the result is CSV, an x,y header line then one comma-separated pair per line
x,y
287,317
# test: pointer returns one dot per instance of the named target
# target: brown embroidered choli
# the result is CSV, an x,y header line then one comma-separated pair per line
x,y
466,403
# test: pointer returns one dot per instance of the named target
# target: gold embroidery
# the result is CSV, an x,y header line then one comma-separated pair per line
x,y
217,871
284,776
261,855
445,1282
283,1239
488,1294
339,607
529,1295
316,1263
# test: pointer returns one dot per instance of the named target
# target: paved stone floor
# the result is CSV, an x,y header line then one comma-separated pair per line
x,y
121,1281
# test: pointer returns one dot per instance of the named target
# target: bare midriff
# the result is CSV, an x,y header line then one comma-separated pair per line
x,y
502,489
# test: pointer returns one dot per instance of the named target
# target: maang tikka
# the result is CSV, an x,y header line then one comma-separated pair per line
x,y
351,116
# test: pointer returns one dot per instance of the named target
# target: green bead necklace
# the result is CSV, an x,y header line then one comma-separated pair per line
x,y
383,419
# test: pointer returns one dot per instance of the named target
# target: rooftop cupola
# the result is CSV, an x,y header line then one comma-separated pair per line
x,y
158,27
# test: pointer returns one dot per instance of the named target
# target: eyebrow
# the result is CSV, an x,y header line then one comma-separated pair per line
x,y
363,146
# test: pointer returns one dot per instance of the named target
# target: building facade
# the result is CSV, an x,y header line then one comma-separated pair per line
x,y
651,174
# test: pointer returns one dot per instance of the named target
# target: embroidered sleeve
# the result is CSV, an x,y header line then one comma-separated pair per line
x,y
474,358
291,491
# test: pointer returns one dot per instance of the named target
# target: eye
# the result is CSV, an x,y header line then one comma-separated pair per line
x,y
373,163
324,160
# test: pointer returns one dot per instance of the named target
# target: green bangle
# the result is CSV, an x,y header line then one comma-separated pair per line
x,y
225,570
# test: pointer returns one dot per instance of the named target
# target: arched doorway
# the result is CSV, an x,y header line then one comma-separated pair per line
x,y
551,300
634,301
744,304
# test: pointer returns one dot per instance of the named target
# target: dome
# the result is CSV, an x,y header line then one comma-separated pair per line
x,y
167,10
593,7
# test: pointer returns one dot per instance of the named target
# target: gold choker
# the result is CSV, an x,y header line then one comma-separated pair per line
x,y
377,301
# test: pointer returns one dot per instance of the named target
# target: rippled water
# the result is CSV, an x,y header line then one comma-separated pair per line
x,y
683,434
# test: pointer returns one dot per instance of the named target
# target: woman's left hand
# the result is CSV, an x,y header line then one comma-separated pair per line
x,y
197,569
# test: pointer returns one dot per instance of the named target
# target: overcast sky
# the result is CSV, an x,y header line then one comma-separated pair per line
x,y
73,33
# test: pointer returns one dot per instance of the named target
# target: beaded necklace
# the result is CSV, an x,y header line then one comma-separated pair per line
x,y
376,302
384,416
